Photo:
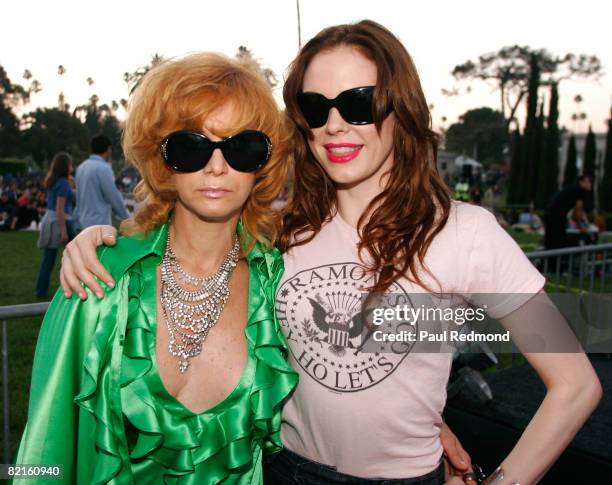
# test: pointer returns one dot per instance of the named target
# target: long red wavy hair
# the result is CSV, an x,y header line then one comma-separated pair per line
x,y
400,223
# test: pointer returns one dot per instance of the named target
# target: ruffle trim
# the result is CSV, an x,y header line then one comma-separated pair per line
x,y
223,437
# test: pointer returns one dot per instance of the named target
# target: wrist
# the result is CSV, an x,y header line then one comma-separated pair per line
x,y
497,478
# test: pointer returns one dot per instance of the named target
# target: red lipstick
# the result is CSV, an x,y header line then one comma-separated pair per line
x,y
342,152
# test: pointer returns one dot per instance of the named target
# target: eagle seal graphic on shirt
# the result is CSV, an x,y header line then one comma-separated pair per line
x,y
329,337
335,316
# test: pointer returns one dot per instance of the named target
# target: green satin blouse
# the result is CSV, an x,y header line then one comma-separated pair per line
x,y
98,405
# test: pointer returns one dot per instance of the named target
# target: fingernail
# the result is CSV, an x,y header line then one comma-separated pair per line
x,y
111,284
99,295
66,294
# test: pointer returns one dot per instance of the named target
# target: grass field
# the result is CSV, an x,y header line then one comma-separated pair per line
x,y
527,242
18,273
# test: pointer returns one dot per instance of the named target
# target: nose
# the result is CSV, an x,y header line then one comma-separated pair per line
x,y
335,122
217,164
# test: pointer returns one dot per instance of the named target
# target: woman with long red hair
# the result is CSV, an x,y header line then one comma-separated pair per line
x,y
370,214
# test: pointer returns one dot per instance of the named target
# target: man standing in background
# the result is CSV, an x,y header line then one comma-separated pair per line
x,y
97,194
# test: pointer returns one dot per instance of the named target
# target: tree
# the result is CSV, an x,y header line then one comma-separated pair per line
x,y
516,169
12,96
605,188
61,99
35,85
508,69
570,175
590,152
132,79
479,133
531,150
93,115
244,53
52,130
111,127
549,167
539,157
100,119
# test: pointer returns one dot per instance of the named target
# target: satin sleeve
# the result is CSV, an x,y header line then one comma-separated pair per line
x,y
51,435
63,428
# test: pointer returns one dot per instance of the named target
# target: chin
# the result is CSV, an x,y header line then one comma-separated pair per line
x,y
216,216
214,211
345,175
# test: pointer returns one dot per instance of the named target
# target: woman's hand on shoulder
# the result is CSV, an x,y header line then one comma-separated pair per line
x,y
80,262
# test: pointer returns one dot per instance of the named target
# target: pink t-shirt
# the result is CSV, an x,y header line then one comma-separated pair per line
x,y
378,415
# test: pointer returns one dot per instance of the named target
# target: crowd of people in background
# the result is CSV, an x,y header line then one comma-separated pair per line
x,y
22,201
567,221
60,202
23,197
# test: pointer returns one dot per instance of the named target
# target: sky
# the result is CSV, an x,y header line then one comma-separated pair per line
x,y
102,40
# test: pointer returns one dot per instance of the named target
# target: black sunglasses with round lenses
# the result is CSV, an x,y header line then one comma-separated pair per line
x,y
189,151
355,106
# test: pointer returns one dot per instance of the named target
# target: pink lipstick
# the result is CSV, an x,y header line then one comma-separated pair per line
x,y
342,152
213,192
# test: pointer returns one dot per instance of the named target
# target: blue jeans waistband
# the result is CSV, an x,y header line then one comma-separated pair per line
x,y
289,468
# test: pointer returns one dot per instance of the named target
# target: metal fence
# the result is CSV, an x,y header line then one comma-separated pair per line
x,y
7,313
579,268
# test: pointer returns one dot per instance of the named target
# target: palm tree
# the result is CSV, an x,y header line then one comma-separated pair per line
x,y
579,115
245,53
61,99
132,79
35,86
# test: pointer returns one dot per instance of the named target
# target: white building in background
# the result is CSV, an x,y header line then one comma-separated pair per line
x,y
463,160
451,166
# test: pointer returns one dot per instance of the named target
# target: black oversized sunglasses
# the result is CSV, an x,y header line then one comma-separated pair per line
x,y
355,106
189,151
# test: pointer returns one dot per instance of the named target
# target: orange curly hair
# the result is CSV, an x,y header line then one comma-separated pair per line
x,y
180,94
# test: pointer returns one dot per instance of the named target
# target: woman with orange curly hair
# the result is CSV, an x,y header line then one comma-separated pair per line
x,y
117,384
370,214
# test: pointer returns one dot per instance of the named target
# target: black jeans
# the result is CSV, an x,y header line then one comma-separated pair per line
x,y
288,468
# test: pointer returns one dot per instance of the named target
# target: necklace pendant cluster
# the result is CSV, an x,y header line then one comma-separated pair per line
x,y
192,305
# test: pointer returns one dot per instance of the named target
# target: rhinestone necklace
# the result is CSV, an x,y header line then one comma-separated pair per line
x,y
190,314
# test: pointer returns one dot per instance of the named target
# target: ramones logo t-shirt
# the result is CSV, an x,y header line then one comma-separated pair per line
x,y
377,414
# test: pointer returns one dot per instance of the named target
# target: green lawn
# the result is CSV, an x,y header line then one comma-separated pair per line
x,y
527,241
18,273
